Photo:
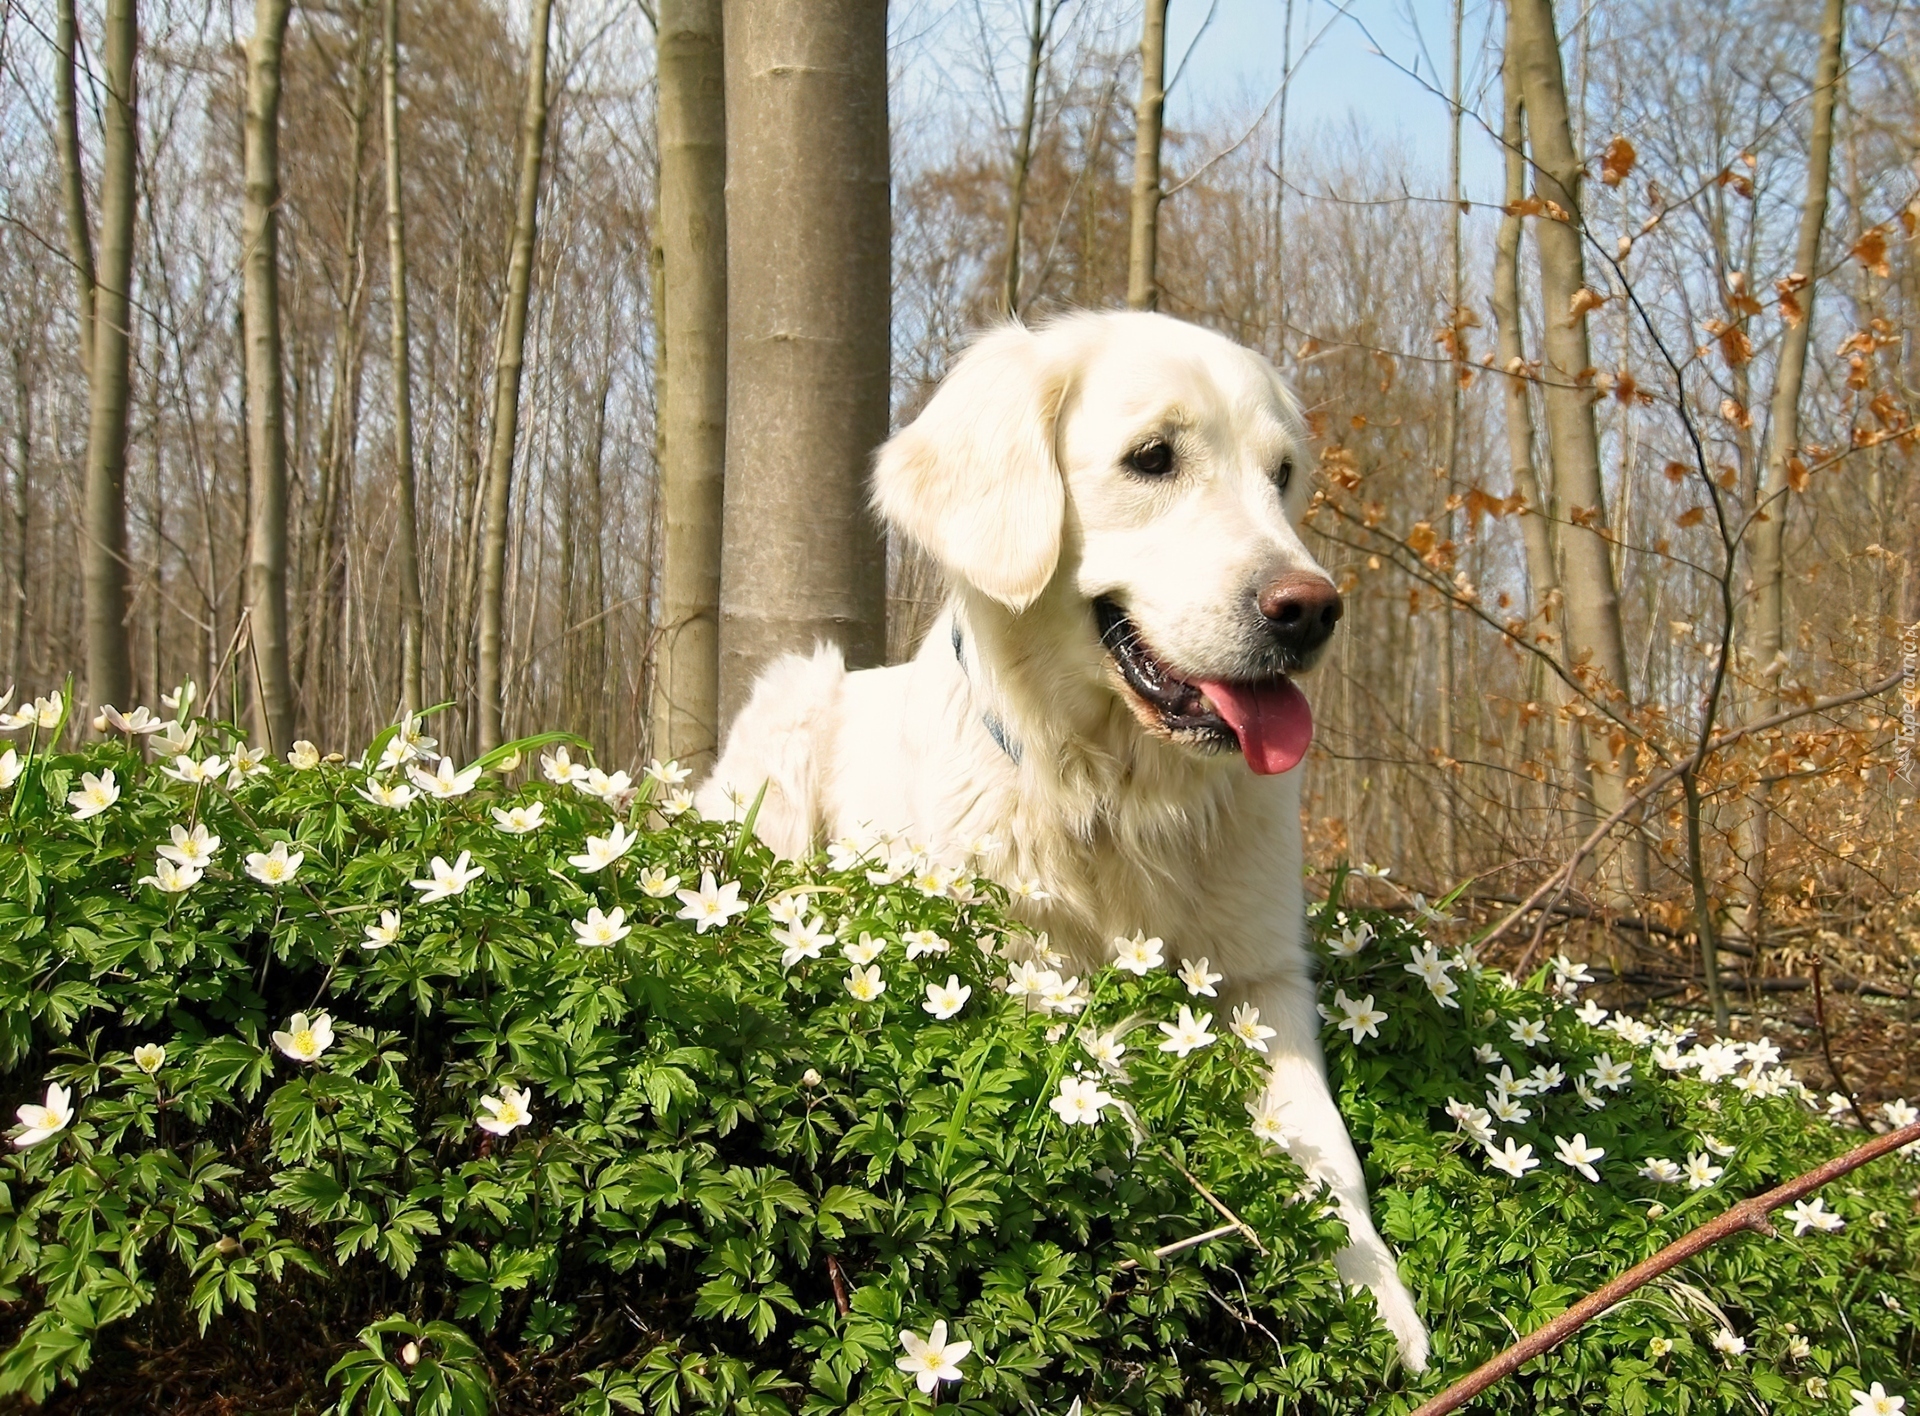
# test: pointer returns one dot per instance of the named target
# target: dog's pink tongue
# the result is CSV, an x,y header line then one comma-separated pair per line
x,y
1272,721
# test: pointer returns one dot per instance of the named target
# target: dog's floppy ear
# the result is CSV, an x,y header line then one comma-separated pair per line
x,y
973,479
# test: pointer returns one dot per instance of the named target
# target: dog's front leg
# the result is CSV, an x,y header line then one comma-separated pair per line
x,y
1317,1139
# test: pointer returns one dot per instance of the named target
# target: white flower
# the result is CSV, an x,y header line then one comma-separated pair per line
x,y
1817,1388
97,792
196,847
676,803
1701,1172
783,909
1591,1013
10,768
41,713
1352,940
48,1120
1899,1113
656,884
1361,1019
445,781
923,941
181,699
276,866
1486,1054
603,851
139,721
1266,1115
509,1111
1197,977
1577,1154
1373,872
1658,1347
1717,1146
1632,1030
1506,1108
1428,966
1670,1058
1528,1032
149,1057
1838,1104
1515,1161
444,881
1104,1048
1081,1101
865,984
944,1000
1728,1341
1587,1098
668,774
519,819
1876,1402
416,744
1568,972
1028,889
602,931
396,796
174,740
711,906
936,880
247,762
1249,1029
171,879
1026,977
864,950
1717,1061
1188,1033
1545,1077
1814,1214
303,756
1443,988
1473,1121
933,1360
386,932
804,940
607,786
1138,955
304,1041
1662,1171
1763,1052
186,769
560,768
1426,913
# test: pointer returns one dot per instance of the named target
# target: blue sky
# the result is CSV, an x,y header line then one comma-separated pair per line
x,y
1235,64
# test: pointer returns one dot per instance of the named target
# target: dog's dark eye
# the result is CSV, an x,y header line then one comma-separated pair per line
x,y
1153,459
1284,477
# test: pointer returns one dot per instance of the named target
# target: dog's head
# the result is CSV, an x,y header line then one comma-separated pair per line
x,y
1155,471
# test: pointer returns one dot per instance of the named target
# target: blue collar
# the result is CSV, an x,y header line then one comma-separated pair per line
x,y
989,720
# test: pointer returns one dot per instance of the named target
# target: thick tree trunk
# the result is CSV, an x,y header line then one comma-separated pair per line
x,y
808,305
412,613
693,399
73,182
1143,289
1766,628
506,386
266,414
1023,161
109,664
20,501
1596,646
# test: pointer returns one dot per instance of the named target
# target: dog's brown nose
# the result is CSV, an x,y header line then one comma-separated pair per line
x,y
1301,611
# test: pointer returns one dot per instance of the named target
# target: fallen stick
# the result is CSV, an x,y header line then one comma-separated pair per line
x,y
1749,1214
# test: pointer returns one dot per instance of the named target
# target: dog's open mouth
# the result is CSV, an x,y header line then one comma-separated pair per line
x,y
1268,719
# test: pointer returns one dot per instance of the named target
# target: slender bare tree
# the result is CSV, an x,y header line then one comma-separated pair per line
x,y
1143,287
1595,643
73,182
1023,155
266,426
808,306
1766,625
412,613
691,310
109,662
506,389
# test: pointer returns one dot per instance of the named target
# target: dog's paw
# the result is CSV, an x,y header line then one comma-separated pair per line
x,y
1370,1265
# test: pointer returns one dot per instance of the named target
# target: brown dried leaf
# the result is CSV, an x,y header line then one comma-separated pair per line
x,y
1797,474
1584,299
1526,206
1692,516
1735,414
1871,252
1421,539
1677,471
1617,161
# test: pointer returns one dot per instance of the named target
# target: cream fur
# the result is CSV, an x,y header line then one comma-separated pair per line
x,y
1011,480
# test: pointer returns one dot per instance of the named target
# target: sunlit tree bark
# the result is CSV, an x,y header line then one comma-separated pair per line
x,y
1143,288
1023,157
808,306
692,316
412,613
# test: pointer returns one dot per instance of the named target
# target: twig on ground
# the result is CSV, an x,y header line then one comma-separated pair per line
x,y
1750,1214
1826,1043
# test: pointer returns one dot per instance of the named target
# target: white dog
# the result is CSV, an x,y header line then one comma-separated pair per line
x,y
1107,690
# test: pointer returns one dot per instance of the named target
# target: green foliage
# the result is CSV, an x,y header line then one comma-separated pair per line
x,y
739,1183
